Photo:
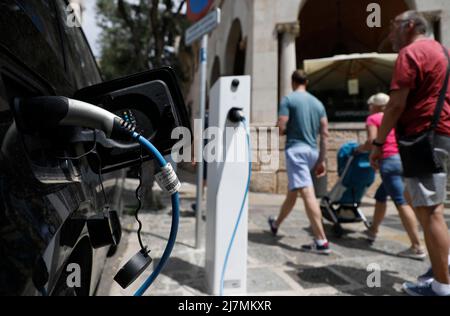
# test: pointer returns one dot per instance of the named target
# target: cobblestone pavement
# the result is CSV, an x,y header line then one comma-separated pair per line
x,y
276,266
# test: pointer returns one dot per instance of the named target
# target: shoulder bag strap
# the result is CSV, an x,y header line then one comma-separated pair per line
x,y
441,100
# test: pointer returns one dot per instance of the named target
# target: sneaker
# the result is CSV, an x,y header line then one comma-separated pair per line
x,y
315,248
419,289
413,253
272,225
428,276
371,237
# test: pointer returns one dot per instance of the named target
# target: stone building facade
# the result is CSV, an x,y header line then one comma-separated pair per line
x,y
269,39
78,6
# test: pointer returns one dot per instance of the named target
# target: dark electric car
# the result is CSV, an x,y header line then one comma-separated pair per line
x,y
54,182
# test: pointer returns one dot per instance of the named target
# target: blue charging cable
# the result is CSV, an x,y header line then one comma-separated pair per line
x,y
175,218
233,236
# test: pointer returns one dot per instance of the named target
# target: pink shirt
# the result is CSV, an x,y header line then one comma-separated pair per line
x,y
390,147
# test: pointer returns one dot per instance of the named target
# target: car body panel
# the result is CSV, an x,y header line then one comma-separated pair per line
x,y
45,200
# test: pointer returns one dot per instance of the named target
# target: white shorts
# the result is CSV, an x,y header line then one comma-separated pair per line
x,y
300,160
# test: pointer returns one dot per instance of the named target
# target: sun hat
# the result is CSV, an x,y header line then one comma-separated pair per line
x,y
379,99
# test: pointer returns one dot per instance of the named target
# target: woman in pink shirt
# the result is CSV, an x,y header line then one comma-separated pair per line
x,y
391,173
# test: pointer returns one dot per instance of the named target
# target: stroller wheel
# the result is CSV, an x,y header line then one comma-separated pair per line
x,y
338,230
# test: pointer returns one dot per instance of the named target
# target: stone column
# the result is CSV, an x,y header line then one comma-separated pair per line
x,y
288,59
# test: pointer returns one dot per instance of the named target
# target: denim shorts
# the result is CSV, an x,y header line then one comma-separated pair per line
x,y
300,160
391,171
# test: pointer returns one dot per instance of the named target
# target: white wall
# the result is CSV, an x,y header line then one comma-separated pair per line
x,y
438,5
264,60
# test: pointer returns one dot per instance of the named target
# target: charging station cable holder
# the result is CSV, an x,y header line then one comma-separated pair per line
x,y
133,268
168,181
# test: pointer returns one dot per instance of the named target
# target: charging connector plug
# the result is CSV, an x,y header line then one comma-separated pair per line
x,y
236,115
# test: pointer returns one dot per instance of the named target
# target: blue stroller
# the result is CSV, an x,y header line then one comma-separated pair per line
x,y
341,204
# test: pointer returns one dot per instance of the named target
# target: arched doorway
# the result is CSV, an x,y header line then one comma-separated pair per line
x,y
215,71
236,51
340,28
215,75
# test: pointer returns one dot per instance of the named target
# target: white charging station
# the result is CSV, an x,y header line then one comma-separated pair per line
x,y
227,184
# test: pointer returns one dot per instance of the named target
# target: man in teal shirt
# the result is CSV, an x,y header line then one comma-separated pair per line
x,y
302,118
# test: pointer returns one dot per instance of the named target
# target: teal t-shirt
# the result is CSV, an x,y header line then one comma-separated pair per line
x,y
305,112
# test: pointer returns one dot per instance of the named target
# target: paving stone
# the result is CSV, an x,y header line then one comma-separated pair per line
x,y
260,280
359,247
276,265
314,259
296,231
390,280
310,278
268,255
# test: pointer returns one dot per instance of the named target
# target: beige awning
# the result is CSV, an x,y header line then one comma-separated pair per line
x,y
371,70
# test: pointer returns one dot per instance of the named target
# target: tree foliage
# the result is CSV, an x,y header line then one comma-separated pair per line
x,y
139,34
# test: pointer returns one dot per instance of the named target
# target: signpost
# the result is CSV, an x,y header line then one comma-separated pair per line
x,y
203,27
200,30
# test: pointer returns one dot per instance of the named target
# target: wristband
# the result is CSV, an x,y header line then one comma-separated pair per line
x,y
377,144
